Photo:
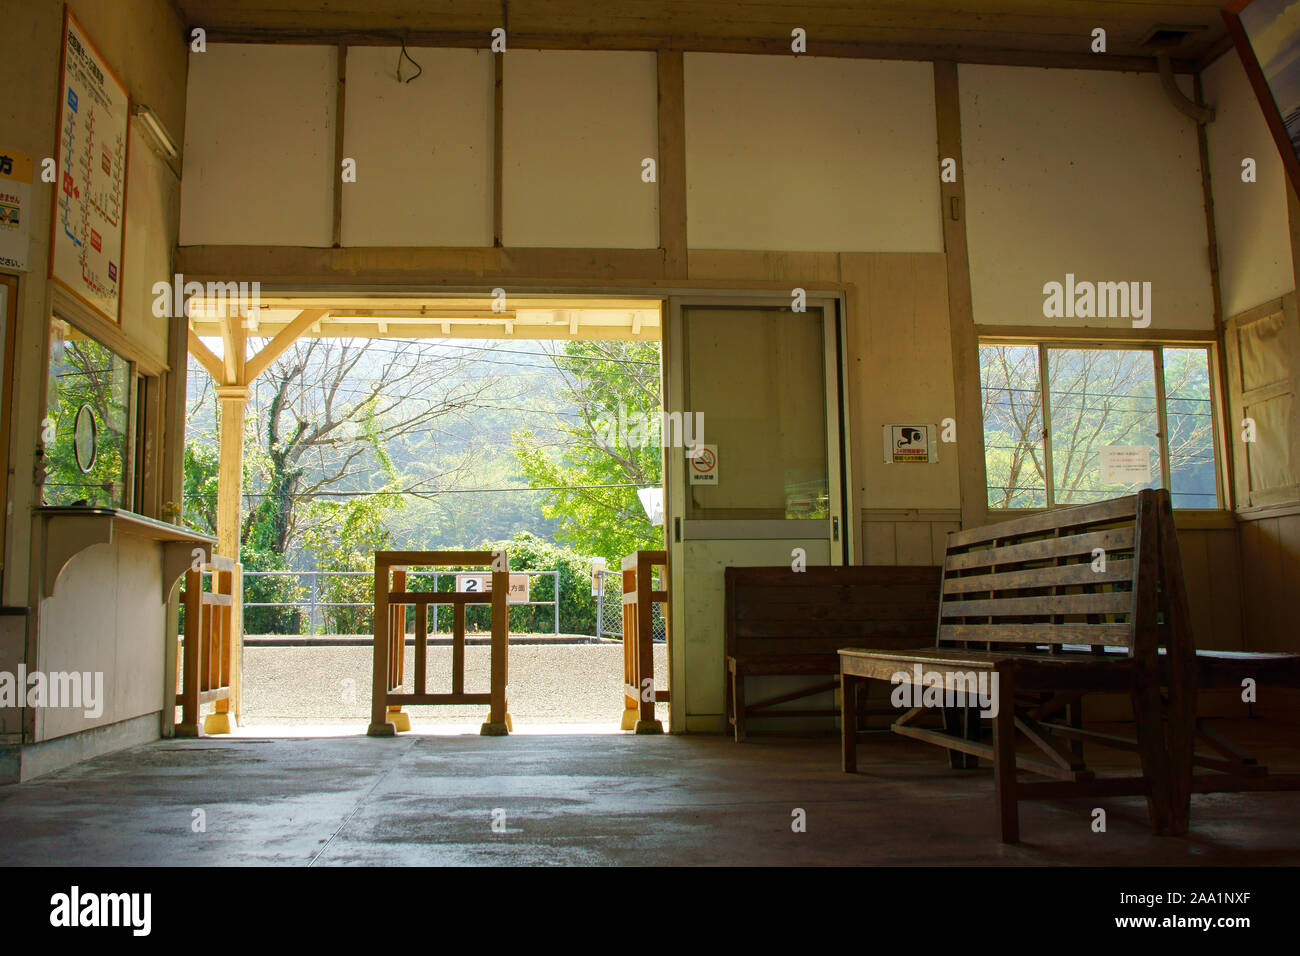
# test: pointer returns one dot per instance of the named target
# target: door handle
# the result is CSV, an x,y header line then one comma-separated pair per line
x,y
677,530
835,528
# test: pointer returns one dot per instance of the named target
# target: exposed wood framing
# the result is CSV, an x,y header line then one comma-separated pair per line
x,y
392,265
694,43
972,478
273,349
1061,333
207,358
1216,292
340,110
498,149
672,161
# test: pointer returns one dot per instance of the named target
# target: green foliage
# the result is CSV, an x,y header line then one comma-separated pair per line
x,y
83,373
200,483
609,382
344,537
270,589
527,552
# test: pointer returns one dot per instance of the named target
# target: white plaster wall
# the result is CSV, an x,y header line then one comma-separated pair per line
x,y
1084,172
576,127
423,149
1250,218
259,146
106,614
811,154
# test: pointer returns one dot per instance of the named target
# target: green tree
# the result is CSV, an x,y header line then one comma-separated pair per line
x,y
610,449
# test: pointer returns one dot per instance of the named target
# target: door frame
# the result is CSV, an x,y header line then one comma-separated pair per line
x,y
838,430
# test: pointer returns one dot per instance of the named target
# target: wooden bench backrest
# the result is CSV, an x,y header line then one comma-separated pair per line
x,y
1041,580
821,609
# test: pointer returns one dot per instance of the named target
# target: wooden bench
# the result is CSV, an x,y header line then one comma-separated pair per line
x,y
782,622
1055,606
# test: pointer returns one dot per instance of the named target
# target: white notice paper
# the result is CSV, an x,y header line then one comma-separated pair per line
x,y
1126,464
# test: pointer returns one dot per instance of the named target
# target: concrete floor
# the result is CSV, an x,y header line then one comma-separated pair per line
x,y
593,799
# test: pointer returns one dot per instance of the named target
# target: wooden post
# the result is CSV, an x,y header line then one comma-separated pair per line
x,y
496,722
397,652
379,725
644,650
189,725
972,477
230,490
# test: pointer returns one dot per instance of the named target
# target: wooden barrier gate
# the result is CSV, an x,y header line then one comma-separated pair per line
x,y
391,601
639,698
206,660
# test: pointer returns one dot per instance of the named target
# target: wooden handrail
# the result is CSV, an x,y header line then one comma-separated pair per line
x,y
639,595
207,658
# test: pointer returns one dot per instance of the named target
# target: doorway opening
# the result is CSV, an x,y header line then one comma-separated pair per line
x,y
403,422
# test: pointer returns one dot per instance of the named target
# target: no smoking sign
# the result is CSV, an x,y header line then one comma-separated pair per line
x,y
702,464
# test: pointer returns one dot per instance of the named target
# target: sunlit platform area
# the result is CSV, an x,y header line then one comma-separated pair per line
x,y
576,799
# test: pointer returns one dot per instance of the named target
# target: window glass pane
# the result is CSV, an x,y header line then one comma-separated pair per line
x,y
1013,426
1188,412
757,376
1104,423
87,408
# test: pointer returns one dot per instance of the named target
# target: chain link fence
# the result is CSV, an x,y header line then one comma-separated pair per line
x,y
609,607
316,608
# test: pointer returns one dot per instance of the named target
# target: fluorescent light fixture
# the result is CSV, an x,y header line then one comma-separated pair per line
x,y
157,132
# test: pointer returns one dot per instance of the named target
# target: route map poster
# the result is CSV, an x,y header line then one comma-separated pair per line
x,y
90,183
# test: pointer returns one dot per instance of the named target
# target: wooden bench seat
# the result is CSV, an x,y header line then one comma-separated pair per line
x,y
782,622
1058,605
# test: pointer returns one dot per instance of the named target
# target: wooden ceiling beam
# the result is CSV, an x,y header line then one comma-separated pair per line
x,y
273,349
207,358
967,52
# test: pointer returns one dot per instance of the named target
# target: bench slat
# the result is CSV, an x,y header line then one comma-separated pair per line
x,y
1067,546
1117,602
1064,518
1054,576
1115,635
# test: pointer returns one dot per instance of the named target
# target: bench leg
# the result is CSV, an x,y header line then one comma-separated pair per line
x,y
1148,714
738,702
1004,760
1074,717
961,722
849,722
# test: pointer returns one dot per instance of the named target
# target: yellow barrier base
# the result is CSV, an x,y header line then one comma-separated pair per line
x,y
510,724
630,715
217,724
400,720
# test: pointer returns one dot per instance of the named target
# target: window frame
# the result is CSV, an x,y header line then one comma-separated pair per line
x,y
1156,346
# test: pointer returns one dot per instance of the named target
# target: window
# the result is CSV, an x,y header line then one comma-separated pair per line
x,y
87,429
1071,424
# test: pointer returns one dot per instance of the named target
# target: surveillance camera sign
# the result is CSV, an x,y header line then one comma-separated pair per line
x,y
909,444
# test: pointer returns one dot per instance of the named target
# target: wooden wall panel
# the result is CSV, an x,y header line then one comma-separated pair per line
x,y
1270,576
906,537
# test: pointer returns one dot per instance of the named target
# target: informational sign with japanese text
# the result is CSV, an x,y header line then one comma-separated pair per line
x,y
909,444
15,208
702,464
90,184
1126,464
482,584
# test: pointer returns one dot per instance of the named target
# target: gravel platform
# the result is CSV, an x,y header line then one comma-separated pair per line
x,y
549,684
